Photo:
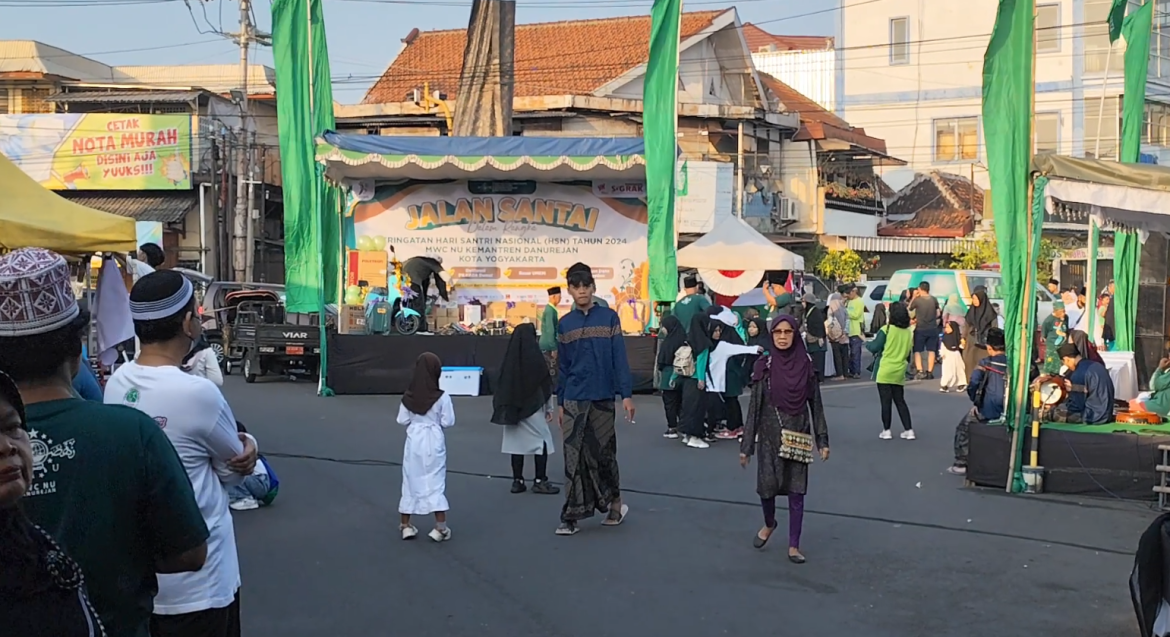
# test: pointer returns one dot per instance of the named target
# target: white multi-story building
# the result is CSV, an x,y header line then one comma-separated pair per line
x,y
806,63
911,73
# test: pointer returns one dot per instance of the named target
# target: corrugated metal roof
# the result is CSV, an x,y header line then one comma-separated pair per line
x,y
126,97
905,245
30,56
217,78
164,207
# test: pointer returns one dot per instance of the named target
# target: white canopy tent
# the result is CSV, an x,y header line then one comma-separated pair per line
x,y
734,245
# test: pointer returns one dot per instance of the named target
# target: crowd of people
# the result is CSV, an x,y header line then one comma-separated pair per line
x,y
115,510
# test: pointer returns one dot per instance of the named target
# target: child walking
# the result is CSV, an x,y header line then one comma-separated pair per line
x,y
954,371
425,411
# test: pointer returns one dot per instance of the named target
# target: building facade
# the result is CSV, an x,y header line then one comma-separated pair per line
x,y
911,73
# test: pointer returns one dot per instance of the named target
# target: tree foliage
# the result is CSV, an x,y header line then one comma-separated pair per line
x,y
977,255
840,265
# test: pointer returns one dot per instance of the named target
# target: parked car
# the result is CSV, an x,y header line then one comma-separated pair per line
x,y
945,284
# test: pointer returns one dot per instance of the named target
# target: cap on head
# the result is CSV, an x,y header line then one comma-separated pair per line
x,y
579,275
690,281
36,295
1068,350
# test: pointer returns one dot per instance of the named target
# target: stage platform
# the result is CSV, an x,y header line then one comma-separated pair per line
x,y
370,364
1089,460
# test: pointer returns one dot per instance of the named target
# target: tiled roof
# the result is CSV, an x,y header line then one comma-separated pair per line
x,y
885,192
816,121
937,204
574,57
759,40
170,207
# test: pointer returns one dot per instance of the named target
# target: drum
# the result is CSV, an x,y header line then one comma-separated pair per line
x,y
1137,418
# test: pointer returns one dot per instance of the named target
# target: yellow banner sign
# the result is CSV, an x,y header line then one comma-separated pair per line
x,y
100,151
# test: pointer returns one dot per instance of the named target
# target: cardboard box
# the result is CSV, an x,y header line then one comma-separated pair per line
x,y
521,313
371,267
473,314
497,310
353,320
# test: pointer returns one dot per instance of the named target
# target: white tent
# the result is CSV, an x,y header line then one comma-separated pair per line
x,y
734,245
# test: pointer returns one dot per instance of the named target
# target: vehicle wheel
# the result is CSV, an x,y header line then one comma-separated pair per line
x,y
220,355
249,373
407,325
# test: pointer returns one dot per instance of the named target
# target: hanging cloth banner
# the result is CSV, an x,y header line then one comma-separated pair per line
x,y
660,126
1127,253
1007,122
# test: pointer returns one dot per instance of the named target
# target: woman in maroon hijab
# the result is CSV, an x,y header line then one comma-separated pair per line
x,y
785,421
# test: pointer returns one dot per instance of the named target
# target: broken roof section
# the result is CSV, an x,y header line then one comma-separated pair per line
x,y
935,204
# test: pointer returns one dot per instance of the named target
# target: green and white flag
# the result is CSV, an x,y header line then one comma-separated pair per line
x,y
660,126
1116,16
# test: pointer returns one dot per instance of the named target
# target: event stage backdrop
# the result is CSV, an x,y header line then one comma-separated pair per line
x,y
512,245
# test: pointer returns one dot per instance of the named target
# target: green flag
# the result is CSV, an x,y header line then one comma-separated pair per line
x,y
304,107
1116,16
1127,252
660,124
1007,128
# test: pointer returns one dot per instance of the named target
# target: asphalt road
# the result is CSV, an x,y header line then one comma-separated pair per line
x,y
896,547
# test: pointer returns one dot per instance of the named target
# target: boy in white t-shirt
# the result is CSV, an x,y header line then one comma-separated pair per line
x,y
199,423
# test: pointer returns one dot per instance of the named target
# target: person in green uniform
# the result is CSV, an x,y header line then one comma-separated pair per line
x,y
780,300
893,344
111,491
691,303
548,330
1159,400
1055,333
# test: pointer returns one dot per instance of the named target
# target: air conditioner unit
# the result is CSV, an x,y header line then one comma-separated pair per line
x,y
786,209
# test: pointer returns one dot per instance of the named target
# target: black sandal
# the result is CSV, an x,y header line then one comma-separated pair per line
x,y
760,542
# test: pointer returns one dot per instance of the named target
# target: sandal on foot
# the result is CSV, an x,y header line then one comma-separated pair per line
x,y
760,542
544,488
610,520
408,531
796,559
568,528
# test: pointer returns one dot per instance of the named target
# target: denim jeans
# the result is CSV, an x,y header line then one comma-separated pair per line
x,y
254,486
855,343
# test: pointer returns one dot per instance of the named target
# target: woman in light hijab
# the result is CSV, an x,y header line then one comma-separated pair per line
x,y
837,333
785,420
521,404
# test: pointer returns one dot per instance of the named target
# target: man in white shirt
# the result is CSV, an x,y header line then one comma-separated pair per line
x,y
199,423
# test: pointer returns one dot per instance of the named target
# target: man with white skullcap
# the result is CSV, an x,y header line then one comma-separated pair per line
x,y
194,415
106,483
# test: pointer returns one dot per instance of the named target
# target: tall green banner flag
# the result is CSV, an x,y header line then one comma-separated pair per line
x,y
1127,251
660,125
304,108
1008,88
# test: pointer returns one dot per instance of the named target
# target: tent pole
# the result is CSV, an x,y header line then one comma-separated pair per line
x,y
1020,380
1091,277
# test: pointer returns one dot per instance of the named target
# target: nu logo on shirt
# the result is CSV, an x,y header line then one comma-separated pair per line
x,y
162,422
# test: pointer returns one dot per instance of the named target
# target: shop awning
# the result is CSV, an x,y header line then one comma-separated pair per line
x,y
735,245
32,216
903,245
1134,196
359,157
163,207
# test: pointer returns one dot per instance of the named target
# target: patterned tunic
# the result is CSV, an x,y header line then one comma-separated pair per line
x,y
774,475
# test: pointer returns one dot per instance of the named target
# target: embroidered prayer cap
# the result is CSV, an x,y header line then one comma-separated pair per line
x,y
690,281
36,296
556,289
160,295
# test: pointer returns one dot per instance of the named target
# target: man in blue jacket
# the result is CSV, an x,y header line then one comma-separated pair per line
x,y
988,392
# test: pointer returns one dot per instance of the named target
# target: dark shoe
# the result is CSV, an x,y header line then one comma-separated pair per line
x,y
760,542
544,488
796,559
671,434
518,486
568,528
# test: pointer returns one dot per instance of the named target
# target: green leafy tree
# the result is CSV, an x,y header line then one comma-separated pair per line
x,y
840,265
976,255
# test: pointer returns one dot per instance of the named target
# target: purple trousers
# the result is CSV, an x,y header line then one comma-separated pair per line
x,y
795,517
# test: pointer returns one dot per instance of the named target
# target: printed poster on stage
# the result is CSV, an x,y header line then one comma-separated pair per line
x,y
512,247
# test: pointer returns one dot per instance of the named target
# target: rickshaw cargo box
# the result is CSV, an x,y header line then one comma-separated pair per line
x,y
353,320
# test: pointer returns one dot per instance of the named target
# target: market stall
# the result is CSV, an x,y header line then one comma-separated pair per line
x,y
1133,201
506,216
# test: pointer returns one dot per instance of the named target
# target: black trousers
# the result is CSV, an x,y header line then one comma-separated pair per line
x,y
841,358
672,402
694,409
213,622
733,412
716,411
541,461
894,395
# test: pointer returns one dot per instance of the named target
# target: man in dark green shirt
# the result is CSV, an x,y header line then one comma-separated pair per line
x,y
107,484
691,304
548,330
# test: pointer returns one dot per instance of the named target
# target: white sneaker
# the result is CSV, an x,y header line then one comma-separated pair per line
x,y
907,435
244,504
697,443
886,435
440,536
408,532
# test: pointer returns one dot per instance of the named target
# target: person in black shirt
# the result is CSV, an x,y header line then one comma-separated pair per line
x,y
42,589
421,271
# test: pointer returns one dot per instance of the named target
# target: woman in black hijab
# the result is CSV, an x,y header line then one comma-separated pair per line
x,y
42,589
816,339
521,403
980,318
692,423
671,336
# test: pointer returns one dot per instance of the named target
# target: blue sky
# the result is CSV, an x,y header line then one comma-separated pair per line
x,y
363,35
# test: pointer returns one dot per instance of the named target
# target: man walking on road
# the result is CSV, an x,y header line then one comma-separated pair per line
x,y
593,368
856,311
924,307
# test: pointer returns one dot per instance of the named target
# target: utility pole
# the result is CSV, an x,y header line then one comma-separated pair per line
x,y
241,220
250,260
